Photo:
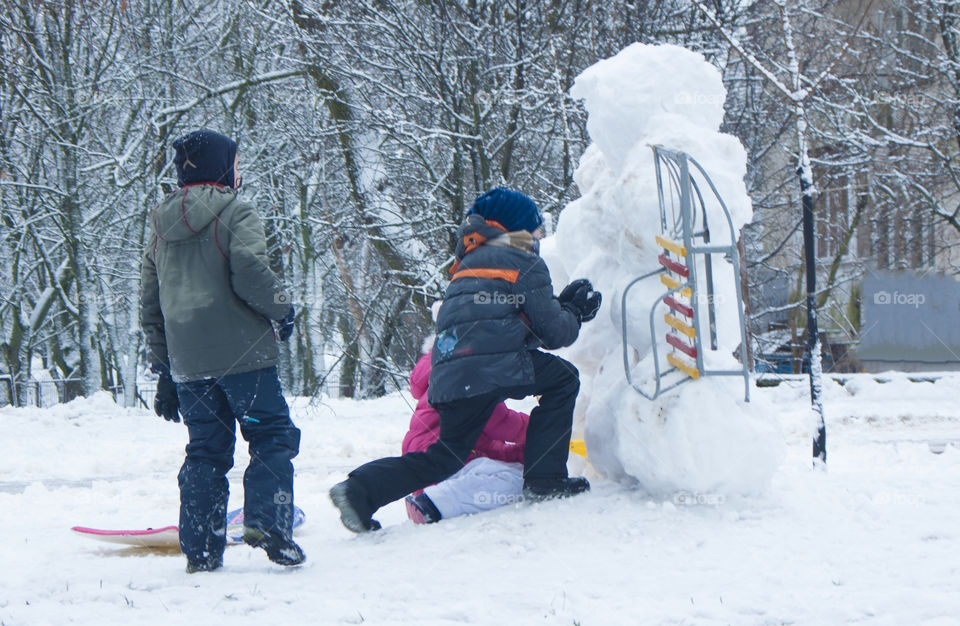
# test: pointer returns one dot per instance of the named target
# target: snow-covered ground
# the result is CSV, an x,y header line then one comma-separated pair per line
x,y
876,538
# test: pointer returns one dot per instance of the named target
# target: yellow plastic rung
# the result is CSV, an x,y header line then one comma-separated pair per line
x,y
692,372
672,246
579,446
680,326
673,284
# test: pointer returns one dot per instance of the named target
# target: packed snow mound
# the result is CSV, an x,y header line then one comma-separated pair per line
x,y
99,402
701,436
643,88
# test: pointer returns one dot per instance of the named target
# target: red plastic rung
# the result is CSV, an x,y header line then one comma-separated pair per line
x,y
682,345
679,307
673,266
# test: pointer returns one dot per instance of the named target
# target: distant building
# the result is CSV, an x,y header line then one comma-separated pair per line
x,y
873,234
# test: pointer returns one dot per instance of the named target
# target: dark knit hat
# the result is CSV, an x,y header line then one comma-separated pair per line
x,y
511,209
204,156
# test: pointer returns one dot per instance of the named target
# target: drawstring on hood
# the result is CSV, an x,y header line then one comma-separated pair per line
x,y
189,210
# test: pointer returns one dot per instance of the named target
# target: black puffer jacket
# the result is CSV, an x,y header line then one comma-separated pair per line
x,y
499,306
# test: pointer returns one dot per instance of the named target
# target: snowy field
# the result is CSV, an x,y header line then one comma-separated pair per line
x,y
874,539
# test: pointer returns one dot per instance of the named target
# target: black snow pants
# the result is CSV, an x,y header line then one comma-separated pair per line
x,y
556,381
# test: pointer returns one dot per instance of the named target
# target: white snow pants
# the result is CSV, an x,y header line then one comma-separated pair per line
x,y
481,485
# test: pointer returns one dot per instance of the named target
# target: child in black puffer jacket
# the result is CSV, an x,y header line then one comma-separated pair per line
x,y
497,313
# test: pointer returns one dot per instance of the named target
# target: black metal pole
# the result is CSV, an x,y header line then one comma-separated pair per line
x,y
813,335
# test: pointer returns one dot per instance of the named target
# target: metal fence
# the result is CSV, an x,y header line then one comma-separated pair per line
x,y
46,393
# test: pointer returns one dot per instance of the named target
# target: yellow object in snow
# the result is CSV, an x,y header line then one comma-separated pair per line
x,y
579,446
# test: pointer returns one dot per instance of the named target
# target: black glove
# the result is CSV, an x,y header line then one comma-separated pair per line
x,y
165,403
568,292
589,309
583,302
286,325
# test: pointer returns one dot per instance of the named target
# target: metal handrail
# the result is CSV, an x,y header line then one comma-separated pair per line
x,y
653,338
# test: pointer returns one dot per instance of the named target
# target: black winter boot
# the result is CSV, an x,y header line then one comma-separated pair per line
x,y
347,500
208,564
540,489
279,549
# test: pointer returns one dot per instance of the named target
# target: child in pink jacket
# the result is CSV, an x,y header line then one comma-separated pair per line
x,y
493,474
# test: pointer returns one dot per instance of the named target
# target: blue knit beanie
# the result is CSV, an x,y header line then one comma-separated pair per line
x,y
511,209
204,156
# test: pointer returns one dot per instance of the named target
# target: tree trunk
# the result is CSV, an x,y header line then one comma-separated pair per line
x,y
813,335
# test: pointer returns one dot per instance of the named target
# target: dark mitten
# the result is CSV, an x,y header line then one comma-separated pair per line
x,y
590,307
165,403
585,302
570,290
286,325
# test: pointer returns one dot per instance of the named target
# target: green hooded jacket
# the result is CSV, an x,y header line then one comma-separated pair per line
x,y
207,293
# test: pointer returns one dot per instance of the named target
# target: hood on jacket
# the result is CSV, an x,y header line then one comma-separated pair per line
x,y
477,231
187,211
420,377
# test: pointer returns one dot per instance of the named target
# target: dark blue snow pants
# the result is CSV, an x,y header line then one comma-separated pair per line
x,y
211,408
